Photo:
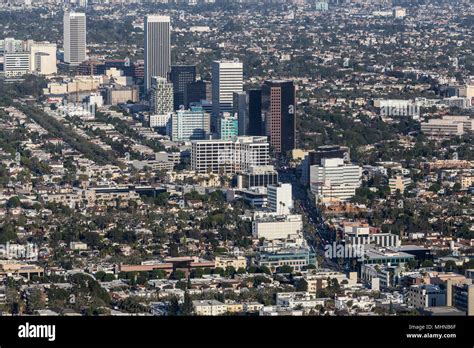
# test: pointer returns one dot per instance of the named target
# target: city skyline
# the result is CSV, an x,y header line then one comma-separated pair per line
x,y
294,158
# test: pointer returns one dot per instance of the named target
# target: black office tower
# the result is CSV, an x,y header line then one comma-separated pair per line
x,y
180,76
197,92
254,98
248,107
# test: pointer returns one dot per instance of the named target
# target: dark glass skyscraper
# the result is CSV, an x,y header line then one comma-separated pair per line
x,y
180,76
248,107
254,100
197,91
279,110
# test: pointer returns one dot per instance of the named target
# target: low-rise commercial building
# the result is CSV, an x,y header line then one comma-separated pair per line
x,y
277,227
425,295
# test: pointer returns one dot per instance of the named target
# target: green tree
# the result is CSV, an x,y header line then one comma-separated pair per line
x,y
187,307
427,263
13,202
301,285
285,269
178,274
450,265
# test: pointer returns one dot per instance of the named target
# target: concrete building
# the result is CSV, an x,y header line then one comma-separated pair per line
x,y
160,121
334,180
74,36
43,58
460,295
399,182
381,276
299,299
209,307
277,227
321,6
11,269
28,57
442,128
425,295
229,156
385,256
187,125
467,121
16,64
297,258
314,157
362,236
161,95
280,198
227,78
257,176
121,95
11,45
236,262
318,279
157,48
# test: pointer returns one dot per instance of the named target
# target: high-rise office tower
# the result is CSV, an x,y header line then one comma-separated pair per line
x,y
197,91
239,104
227,78
74,38
157,47
180,77
254,102
279,108
161,96
248,107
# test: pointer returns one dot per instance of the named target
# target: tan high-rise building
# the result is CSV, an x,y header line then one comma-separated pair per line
x,y
279,110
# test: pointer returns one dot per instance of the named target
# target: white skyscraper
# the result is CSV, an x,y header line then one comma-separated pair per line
x,y
280,198
74,38
157,47
227,78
